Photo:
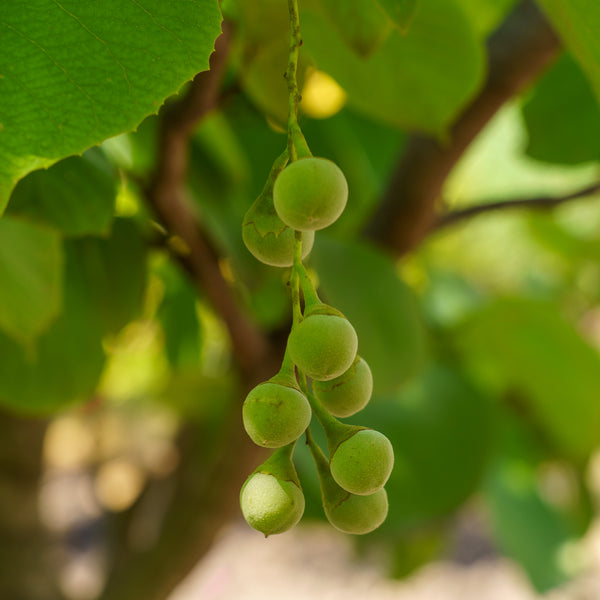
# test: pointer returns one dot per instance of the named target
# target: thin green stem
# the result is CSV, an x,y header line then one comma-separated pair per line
x,y
297,146
328,422
290,75
295,278
318,455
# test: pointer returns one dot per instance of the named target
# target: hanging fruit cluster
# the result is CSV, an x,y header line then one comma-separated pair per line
x,y
321,372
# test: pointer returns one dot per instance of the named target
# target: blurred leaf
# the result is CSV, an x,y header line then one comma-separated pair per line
x,y
420,80
401,12
196,397
361,23
486,15
263,80
262,55
562,116
30,278
528,346
76,195
179,319
116,268
75,74
65,365
364,284
525,526
578,23
442,429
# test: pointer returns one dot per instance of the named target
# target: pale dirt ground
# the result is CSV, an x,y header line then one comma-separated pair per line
x,y
315,562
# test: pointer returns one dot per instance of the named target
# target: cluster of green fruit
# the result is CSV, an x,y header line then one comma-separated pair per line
x,y
307,195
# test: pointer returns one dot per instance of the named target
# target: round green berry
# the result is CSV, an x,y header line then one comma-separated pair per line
x,y
275,415
310,193
359,514
363,463
270,240
271,505
349,393
323,346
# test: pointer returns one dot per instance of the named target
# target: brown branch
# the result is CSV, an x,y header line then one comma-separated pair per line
x,y
189,508
539,203
517,52
167,197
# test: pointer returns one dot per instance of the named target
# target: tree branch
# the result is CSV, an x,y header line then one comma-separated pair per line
x,y
540,203
166,196
187,509
517,52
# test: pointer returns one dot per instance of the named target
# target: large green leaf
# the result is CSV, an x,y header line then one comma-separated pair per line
x,y
30,278
578,23
562,116
528,525
527,347
117,274
77,72
179,319
103,288
401,12
362,24
364,284
76,195
420,80
66,362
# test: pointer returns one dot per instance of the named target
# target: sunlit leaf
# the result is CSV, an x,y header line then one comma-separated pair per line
x,y
361,23
401,12
562,116
30,278
418,80
529,348
76,195
578,23
77,72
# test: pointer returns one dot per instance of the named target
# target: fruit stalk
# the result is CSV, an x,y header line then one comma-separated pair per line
x,y
297,145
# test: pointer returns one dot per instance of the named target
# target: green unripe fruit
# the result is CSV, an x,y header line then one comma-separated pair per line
x,y
363,463
310,193
275,415
323,346
269,239
271,505
358,514
349,393
345,511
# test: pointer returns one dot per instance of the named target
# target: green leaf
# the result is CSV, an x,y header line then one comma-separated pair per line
x,y
362,24
526,525
578,23
30,278
65,365
364,284
486,15
562,116
76,195
179,319
401,12
116,268
77,72
527,347
420,80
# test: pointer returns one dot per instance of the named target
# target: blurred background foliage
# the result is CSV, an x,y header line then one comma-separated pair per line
x,y
484,340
